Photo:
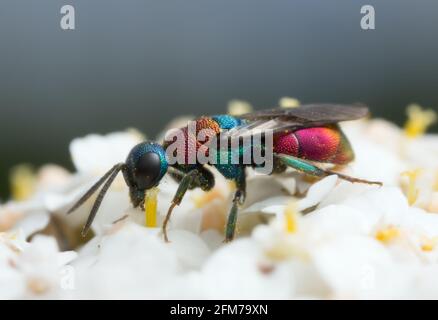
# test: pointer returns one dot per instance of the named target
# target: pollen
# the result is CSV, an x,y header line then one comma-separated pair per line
x,y
150,208
288,102
429,244
412,190
22,180
387,234
238,107
418,120
291,217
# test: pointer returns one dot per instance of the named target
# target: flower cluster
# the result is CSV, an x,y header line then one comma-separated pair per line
x,y
297,237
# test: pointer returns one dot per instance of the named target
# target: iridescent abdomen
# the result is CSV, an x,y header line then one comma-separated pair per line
x,y
321,144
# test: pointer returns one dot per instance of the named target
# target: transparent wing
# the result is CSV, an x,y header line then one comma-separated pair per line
x,y
280,119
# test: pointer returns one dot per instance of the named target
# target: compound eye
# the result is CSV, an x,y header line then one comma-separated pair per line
x,y
147,170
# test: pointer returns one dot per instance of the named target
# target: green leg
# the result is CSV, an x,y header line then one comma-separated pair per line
x,y
311,169
200,177
239,198
204,179
180,192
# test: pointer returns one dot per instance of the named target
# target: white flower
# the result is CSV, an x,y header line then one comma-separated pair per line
x,y
236,271
21,216
31,270
359,267
92,156
277,204
134,262
296,238
31,215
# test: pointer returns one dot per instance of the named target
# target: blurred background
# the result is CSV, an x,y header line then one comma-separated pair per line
x,y
140,63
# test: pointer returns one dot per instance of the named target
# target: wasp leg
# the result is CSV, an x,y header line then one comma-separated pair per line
x,y
311,169
199,177
176,174
239,198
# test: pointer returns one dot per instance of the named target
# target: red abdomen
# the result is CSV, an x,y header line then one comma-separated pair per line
x,y
321,144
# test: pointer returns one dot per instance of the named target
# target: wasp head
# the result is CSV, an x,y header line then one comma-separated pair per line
x,y
145,166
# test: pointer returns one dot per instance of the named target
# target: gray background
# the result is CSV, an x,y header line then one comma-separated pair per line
x,y
140,63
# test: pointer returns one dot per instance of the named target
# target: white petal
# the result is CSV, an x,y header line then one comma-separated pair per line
x,y
357,267
318,192
33,222
274,205
97,153
181,241
12,283
234,272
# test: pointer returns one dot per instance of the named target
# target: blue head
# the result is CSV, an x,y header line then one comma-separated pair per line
x,y
145,166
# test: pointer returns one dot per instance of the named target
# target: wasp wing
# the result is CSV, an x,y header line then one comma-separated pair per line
x,y
312,113
280,119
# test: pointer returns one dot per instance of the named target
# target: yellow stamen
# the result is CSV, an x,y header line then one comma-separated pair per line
x,y
429,244
22,180
238,107
288,102
435,186
412,192
291,217
418,120
150,208
231,185
387,234
279,252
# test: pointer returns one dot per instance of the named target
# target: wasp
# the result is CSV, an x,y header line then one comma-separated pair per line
x,y
302,138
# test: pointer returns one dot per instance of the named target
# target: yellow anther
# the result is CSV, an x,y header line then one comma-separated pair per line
x,y
291,217
150,208
429,244
22,180
231,185
38,285
387,234
435,185
418,120
279,252
288,102
412,192
238,107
